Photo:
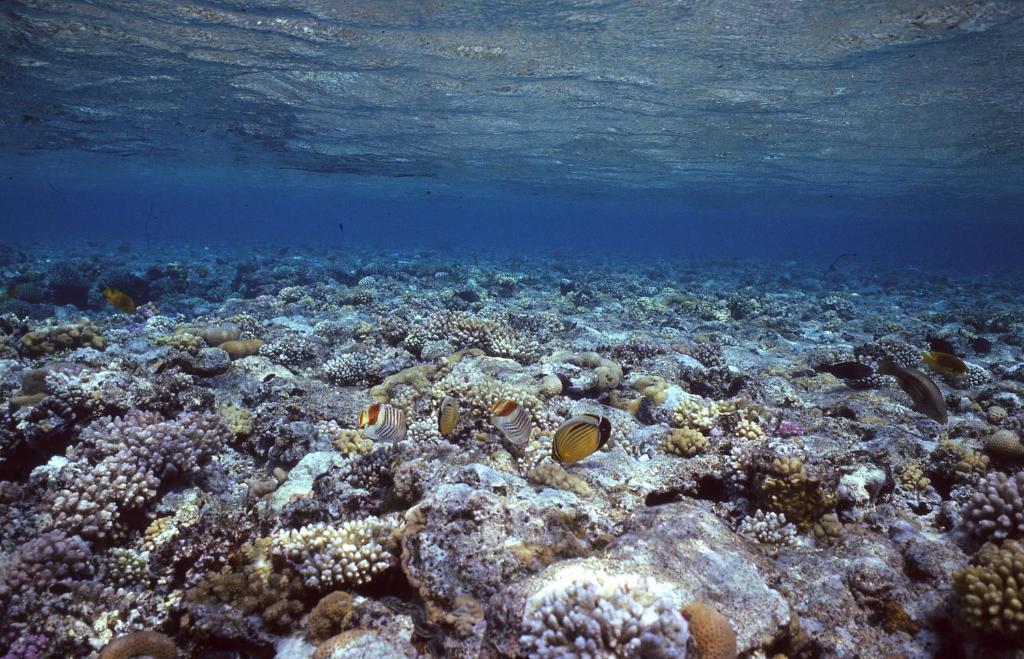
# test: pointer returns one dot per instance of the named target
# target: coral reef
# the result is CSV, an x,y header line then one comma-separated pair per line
x,y
194,469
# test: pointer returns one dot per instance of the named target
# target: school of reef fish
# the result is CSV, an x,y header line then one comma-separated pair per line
x,y
332,453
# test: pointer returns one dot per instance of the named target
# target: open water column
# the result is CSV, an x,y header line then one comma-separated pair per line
x,y
479,329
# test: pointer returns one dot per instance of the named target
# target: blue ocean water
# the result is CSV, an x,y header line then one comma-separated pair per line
x,y
719,129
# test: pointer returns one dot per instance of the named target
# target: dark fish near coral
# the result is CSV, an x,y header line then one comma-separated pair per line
x,y
981,345
580,437
383,423
945,363
941,345
512,420
25,293
119,300
928,400
848,370
447,416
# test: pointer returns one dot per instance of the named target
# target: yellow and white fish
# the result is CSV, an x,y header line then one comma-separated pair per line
x,y
383,423
579,437
447,416
512,420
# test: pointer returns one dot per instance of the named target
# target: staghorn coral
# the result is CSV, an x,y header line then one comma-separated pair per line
x,y
996,509
335,556
686,442
603,615
991,590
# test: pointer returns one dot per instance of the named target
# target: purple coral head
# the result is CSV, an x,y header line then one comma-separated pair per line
x,y
790,429
32,646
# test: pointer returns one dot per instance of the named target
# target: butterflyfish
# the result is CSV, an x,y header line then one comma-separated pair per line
x,y
945,363
512,420
119,300
447,416
928,400
579,437
848,370
383,423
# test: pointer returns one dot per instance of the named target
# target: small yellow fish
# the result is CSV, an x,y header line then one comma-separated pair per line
x,y
945,363
119,300
447,416
383,423
580,437
512,420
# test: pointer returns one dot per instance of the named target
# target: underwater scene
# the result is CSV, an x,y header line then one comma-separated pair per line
x,y
371,329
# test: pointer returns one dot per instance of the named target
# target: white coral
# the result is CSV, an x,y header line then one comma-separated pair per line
x,y
589,615
335,556
769,529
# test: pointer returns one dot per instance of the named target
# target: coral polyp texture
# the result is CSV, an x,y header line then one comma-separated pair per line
x,y
195,472
603,616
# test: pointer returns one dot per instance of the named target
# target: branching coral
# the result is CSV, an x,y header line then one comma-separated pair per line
x,y
335,556
463,331
694,413
603,616
123,463
992,589
996,510
769,529
686,442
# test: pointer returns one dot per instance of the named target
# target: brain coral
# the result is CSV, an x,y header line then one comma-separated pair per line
x,y
588,615
712,634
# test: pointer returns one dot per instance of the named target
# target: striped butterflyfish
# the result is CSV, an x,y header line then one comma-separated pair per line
x,y
579,437
512,420
383,423
447,416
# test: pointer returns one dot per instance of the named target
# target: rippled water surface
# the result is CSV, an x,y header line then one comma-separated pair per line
x,y
884,97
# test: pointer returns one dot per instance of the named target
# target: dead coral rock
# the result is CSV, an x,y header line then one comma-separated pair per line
x,y
685,546
359,644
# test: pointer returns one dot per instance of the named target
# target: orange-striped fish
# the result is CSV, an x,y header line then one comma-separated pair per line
x,y
447,416
512,420
579,437
119,300
383,423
